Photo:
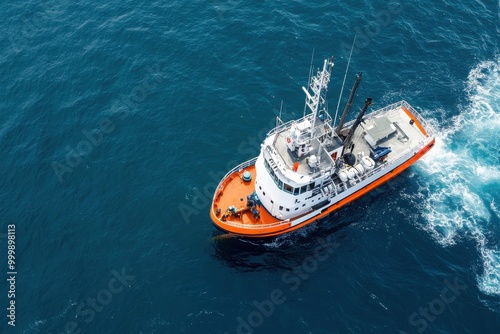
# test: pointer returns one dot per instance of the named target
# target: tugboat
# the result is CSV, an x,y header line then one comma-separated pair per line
x,y
308,168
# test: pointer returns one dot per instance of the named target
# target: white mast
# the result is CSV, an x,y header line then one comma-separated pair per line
x,y
318,85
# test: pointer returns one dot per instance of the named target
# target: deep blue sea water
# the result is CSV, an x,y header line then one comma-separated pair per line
x,y
118,118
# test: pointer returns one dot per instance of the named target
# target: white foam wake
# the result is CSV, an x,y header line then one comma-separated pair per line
x,y
462,195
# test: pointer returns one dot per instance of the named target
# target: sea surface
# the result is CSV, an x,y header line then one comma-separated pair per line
x,y
118,118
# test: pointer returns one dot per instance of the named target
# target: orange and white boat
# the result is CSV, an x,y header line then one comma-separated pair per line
x,y
308,168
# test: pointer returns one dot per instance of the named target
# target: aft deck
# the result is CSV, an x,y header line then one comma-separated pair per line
x,y
403,137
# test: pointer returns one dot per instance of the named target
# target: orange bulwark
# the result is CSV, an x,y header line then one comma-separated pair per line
x,y
419,126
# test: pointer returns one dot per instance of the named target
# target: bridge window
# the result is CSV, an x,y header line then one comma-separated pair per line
x,y
288,188
273,175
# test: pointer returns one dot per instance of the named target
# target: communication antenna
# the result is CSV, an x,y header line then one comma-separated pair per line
x,y
309,79
281,108
343,83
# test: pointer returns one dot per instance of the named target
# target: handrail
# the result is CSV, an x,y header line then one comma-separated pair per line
x,y
421,119
379,168
287,124
234,169
256,226
405,104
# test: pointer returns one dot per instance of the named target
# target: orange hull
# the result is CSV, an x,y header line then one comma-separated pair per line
x,y
233,191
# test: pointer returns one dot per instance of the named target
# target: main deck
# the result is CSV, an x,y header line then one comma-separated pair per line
x,y
396,128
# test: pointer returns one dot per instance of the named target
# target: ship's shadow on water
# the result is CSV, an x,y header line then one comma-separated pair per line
x,y
287,251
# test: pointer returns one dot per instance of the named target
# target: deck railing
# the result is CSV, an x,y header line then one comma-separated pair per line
x,y
283,126
376,170
240,167
405,104
257,226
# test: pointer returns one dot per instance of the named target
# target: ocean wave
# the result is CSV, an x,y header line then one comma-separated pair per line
x,y
462,190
